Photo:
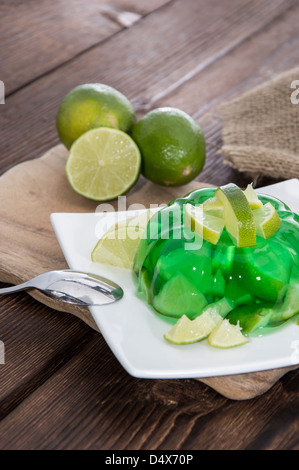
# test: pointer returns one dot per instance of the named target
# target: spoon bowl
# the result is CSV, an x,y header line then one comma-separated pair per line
x,y
72,287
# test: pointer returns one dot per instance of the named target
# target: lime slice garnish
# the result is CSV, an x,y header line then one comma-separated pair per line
x,y
103,164
118,247
213,206
237,215
226,335
187,331
207,226
267,220
140,220
252,197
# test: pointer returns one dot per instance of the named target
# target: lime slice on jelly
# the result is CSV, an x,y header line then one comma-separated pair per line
x,y
118,247
237,215
252,197
213,206
226,335
207,226
267,220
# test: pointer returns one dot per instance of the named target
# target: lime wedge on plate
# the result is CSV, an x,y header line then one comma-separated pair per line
x,y
118,247
252,197
237,215
207,226
267,220
103,163
187,331
226,335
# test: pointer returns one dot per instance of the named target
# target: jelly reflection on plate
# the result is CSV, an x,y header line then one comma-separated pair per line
x,y
179,273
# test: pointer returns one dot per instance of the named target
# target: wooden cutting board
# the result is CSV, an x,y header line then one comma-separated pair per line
x,y
30,192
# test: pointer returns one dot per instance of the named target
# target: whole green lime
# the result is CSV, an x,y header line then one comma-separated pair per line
x,y
172,146
90,106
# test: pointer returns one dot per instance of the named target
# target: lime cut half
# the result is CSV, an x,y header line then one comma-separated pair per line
x,y
103,164
207,226
118,247
267,220
252,197
226,335
237,215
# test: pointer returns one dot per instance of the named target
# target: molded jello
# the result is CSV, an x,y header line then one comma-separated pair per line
x,y
181,273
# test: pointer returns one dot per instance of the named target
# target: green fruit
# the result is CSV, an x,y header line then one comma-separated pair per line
x,y
178,297
90,106
172,146
226,335
207,226
103,163
237,215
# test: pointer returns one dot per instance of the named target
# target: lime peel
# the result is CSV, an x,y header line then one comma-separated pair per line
x,y
237,215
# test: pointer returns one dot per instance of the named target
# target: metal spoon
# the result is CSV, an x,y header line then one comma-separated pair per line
x,y
72,287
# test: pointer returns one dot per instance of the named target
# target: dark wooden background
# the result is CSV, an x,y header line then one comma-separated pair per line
x,y
61,387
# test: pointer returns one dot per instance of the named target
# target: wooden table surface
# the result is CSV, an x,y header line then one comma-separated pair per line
x,y
61,387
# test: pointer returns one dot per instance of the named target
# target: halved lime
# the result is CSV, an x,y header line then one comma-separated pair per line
x,y
237,215
207,226
252,197
118,247
103,164
267,220
226,335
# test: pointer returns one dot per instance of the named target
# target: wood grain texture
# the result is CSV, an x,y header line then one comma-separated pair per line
x,y
51,33
147,70
269,52
111,410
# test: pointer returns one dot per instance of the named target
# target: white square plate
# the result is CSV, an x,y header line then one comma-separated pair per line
x,y
135,334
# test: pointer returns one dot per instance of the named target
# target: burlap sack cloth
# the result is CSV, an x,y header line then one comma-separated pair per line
x,y
261,129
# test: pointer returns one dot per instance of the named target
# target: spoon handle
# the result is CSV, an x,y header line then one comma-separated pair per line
x,y
10,290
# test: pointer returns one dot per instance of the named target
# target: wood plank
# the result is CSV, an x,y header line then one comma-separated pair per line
x,y
156,414
93,419
271,51
140,68
37,341
36,37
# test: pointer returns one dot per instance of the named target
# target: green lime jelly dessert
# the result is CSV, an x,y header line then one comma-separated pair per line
x,y
181,273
